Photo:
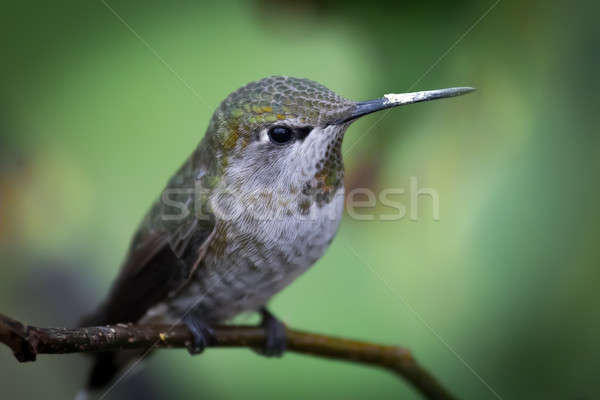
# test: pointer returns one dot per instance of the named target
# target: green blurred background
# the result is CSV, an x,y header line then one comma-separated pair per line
x,y
92,124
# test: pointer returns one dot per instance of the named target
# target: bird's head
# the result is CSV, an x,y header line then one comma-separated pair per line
x,y
285,134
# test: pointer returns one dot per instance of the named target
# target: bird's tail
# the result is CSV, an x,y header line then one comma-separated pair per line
x,y
106,366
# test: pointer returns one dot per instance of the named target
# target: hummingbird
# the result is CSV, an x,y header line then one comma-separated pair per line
x,y
254,206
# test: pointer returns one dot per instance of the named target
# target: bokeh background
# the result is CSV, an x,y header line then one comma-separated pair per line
x,y
92,124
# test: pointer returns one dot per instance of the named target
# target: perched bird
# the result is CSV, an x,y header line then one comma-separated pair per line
x,y
253,207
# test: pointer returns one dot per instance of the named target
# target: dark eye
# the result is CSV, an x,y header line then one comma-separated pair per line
x,y
280,134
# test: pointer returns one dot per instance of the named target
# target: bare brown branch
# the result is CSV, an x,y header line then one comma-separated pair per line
x,y
28,341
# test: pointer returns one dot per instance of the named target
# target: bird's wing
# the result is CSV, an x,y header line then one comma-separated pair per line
x,y
166,250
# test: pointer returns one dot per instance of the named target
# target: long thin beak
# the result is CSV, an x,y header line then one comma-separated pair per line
x,y
393,100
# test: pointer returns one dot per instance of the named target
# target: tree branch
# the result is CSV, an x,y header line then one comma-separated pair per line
x,y
28,341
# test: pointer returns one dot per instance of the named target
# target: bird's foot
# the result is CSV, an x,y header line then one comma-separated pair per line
x,y
275,331
202,334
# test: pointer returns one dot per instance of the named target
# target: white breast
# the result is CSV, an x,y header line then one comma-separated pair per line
x,y
261,256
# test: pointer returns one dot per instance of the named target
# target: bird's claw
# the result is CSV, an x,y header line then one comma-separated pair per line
x,y
202,334
275,343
